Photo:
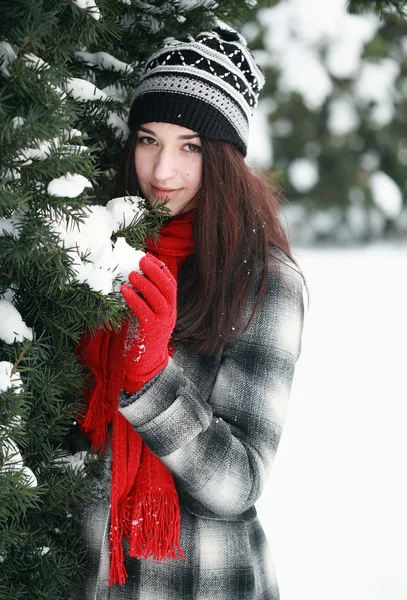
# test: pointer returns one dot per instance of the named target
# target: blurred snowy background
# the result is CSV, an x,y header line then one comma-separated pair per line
x,y
331,128
331,122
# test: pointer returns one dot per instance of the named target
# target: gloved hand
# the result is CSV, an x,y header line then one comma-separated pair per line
x,y
156,311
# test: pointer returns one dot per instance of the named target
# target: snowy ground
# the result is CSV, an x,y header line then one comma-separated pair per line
x,y
335,508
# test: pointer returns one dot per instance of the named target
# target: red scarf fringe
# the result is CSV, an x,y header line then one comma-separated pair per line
x,y
144,500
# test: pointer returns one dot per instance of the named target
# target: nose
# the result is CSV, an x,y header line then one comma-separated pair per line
x,y
165,165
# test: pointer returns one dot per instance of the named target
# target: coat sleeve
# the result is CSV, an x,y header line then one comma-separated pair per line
x,y
220,451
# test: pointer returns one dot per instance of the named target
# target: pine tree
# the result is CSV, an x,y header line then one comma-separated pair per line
x,y
67,71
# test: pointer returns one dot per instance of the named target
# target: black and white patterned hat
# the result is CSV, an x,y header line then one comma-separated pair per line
x,y
209,84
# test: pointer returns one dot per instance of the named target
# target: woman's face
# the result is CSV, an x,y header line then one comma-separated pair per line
x,y
168,162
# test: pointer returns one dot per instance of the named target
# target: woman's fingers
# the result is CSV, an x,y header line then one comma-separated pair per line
x,y
151,294
140,308
157,287
157,272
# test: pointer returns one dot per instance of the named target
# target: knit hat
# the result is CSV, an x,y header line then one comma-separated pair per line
x,y
209,84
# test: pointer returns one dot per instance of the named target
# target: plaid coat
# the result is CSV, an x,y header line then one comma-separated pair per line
x,y
215,422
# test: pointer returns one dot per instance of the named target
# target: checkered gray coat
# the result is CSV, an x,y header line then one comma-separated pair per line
x,y
215,422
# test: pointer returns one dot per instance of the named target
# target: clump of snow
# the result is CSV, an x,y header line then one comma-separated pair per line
x,y
342,116
120,126
9,226
72,133
35,61
12,327
83,91
69,186
7,56
115,91
17,122
96,259
303,174
93,9
12,174
104,60
386,194
8,295
190,4
41,152
44,148
8,379
13,462
124,209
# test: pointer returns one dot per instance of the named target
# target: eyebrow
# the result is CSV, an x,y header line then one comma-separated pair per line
x,y
180,137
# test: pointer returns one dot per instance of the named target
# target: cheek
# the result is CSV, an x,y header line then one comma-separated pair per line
x,y
141,165
194,174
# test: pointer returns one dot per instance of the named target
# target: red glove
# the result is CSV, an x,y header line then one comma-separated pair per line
x,y
156,312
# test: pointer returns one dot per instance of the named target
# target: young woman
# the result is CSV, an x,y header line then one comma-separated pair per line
x,y
191,392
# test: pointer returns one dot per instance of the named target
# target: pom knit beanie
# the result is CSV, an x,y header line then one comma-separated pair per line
x,y
209,84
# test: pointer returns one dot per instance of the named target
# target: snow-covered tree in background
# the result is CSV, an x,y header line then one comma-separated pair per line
x,y
67,71
334,105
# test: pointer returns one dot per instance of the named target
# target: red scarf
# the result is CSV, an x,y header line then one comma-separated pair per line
x,y
144,501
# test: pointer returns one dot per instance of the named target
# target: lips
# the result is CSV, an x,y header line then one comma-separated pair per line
x,y
163,192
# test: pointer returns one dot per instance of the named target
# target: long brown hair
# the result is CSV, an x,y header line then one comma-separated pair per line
x,y
235,223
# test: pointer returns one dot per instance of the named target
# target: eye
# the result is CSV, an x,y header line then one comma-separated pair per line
x,y
192,148
145,139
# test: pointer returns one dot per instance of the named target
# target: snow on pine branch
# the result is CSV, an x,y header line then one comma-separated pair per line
x,y
12,462
90,6
97,261
42,149
7,56
68,186
12,327
85,91
100,263
8,379
10,226
11,459
104,60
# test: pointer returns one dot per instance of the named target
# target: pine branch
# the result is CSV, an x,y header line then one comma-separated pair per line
x,y
147,222
382,8
19,359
